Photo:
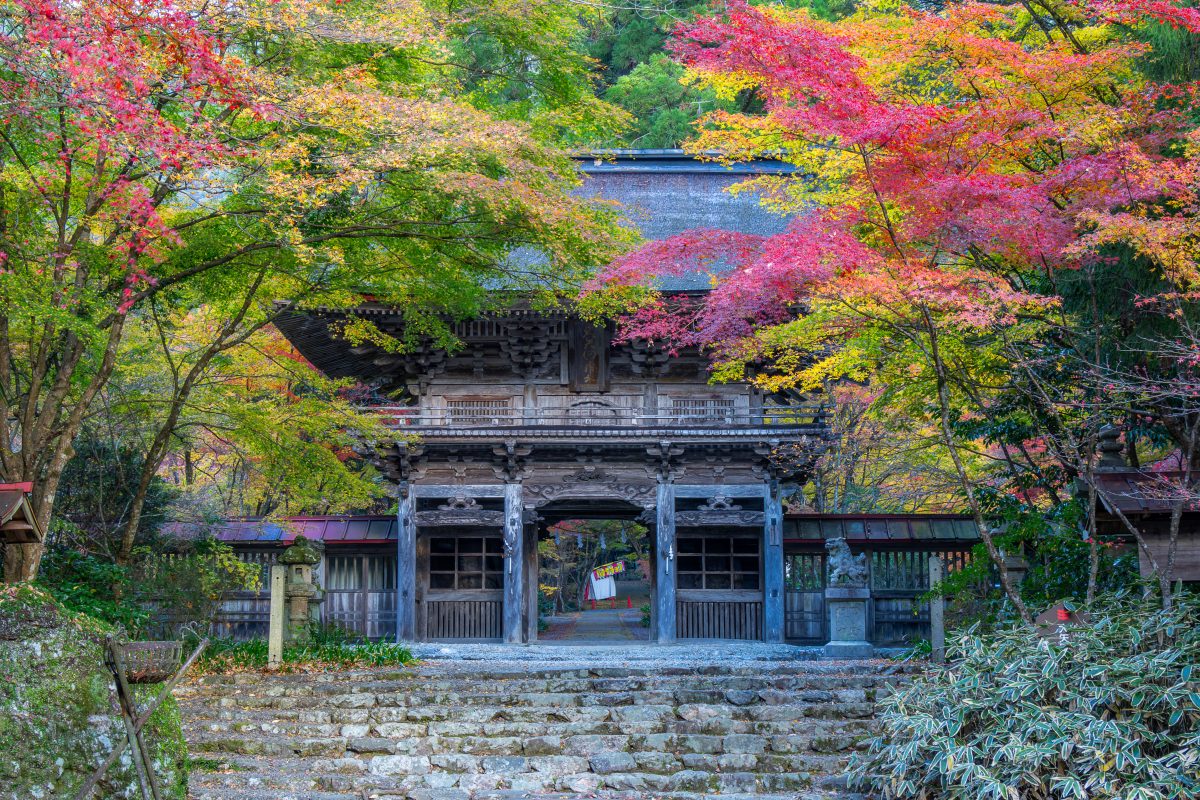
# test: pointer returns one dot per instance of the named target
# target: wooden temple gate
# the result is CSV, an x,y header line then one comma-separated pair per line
x,y
470,555
716,559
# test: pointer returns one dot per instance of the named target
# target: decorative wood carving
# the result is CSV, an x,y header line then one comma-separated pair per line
x,y
648,359
591,482
530,349
403,462
456,518
509,460
663,461
717,517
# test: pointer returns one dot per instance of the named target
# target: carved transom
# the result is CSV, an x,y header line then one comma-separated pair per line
x,y
721,502
460,502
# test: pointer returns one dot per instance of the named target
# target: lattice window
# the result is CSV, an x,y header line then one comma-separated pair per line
x,y
466,562
493,411
718,562
703,409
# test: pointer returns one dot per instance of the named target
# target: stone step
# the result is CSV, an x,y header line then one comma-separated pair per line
x,y
239,792
477,732
829,739
420,686
403,736
550,774
449,672
469,706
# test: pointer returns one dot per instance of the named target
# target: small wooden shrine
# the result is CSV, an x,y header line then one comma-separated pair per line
x,y
18,525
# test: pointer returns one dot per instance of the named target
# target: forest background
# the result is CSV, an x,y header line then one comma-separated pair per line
x,y
158,392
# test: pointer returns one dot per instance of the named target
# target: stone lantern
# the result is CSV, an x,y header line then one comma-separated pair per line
x,y
301,589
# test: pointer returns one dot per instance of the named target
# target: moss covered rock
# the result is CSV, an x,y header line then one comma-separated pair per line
x,y
58,718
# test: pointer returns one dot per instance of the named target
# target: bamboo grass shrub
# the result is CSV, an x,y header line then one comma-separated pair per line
x,y
1110,710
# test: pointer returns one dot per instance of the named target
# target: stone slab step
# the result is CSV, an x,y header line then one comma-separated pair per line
x,y
432,688
502,732
474,784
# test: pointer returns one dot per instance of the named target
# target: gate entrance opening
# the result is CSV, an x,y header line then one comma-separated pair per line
x,y
579,601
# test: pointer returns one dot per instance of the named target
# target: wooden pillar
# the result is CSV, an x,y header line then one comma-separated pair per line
x,y
772,563
513,620
406,566
664,563
532,578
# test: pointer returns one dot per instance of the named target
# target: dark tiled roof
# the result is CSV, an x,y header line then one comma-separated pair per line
x,y
665,193
367,529
341,529
880,527
1143,492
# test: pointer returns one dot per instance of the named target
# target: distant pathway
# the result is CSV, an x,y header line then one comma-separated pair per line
x,y
600,626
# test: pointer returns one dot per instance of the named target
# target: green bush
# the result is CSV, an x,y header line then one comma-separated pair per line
x,y
87,584
1108,710
328,650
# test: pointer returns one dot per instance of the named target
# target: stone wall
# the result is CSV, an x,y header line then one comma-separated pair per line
x,y
58,718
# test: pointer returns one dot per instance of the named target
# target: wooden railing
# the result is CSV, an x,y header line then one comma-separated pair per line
x,y
463,619
719,619
406,417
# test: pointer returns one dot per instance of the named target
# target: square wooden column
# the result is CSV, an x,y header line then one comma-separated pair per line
x,y
513,619
664,563
532,577
406,566
772,563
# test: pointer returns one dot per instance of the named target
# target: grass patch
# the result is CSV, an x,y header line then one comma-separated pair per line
x,y
329,650
202,764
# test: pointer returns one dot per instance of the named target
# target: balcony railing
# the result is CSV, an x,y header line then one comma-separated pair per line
x,y
476,419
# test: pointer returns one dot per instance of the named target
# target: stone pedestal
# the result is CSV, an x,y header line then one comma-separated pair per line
x,y
301,590
848,622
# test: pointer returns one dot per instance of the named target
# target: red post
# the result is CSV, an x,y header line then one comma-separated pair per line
x,y
629,602
593,605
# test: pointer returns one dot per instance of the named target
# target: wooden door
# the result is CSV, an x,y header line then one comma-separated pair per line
x,y
804,617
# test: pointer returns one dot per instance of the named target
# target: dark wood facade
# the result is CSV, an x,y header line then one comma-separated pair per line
x,y
719,575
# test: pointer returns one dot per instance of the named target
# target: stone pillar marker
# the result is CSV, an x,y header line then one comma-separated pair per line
x,y
937,614
772,564
513,614
406,565
664,563
302,591
846,597
275,629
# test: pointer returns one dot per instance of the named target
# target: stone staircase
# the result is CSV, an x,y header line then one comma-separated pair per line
x,y
470,731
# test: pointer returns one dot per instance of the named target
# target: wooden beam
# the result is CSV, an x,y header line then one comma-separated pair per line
x,y
442,491
514,565
664,563
693,492
772,563
406,566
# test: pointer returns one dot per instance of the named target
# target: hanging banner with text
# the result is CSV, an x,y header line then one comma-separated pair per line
x,y
608,570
